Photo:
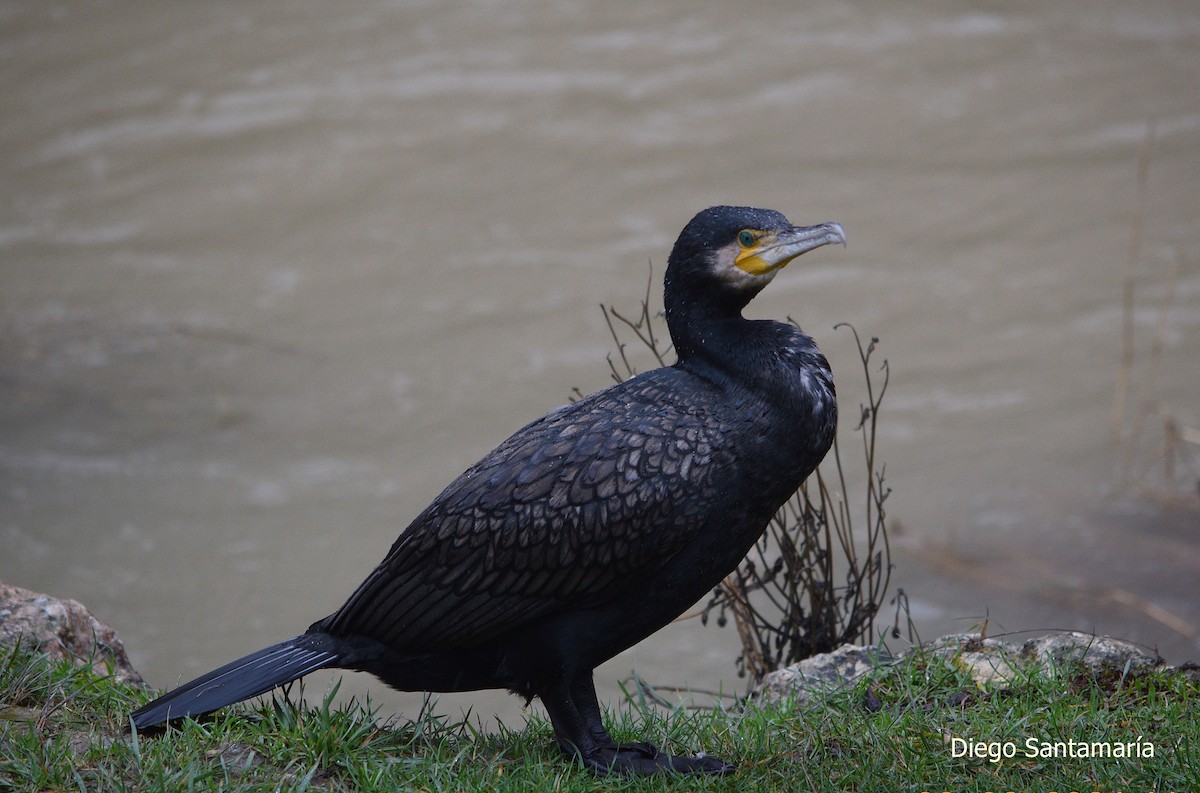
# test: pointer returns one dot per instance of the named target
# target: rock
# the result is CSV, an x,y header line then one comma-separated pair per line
x,y
814,676
986,660
62,629
990,662
1098,652
1190,670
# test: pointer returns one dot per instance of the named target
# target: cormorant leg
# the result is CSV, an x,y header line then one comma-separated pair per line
x,y
575,713
583,694
571,729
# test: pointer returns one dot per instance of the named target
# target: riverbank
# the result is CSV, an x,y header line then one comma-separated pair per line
x,y
922,723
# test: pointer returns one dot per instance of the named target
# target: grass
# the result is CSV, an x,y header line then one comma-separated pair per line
x,y
63,727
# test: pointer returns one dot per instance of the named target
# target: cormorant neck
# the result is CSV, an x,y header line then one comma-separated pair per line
x,y
702,335
697,316
776,360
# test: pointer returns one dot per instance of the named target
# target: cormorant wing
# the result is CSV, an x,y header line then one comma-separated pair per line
x,y
589,494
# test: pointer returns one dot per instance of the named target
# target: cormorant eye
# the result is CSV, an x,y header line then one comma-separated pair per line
x,y
747,238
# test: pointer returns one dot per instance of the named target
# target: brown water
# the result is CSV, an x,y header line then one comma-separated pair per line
x,y
272,275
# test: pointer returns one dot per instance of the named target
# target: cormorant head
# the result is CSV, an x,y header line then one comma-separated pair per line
x,y
726,255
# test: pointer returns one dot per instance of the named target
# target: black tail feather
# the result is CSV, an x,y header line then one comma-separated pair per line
x,y
246,677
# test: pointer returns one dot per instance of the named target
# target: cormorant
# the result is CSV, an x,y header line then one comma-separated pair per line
x,y
595,525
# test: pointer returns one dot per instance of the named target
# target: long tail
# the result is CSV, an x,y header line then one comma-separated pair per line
x,y
246,677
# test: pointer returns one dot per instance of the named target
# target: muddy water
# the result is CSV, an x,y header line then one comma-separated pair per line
x,y
270,277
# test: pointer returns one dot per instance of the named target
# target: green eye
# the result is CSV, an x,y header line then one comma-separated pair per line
x,y
747,238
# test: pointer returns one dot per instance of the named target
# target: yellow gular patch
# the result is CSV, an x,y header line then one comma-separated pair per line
x,y
750,260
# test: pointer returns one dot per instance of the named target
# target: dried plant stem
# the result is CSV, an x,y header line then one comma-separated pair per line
x,y
1129,287
1146,404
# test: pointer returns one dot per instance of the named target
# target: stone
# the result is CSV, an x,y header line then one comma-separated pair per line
x,y
990,662
987,660
1096,651
806,681
62,629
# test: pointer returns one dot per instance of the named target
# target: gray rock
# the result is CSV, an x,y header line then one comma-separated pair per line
x,y
1095,651
62,629
807,680
989,661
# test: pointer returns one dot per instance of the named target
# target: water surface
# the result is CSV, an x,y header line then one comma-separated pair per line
x,y
272,275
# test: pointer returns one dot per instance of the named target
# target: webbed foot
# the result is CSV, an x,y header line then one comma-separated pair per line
x,y
643,759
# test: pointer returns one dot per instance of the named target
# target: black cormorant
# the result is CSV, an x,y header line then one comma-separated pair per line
x,y
595,525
